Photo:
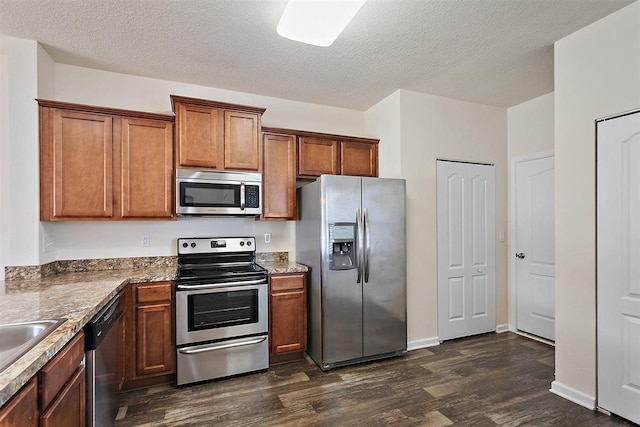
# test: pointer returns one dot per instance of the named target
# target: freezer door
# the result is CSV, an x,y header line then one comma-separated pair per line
x,y
341,294
385,277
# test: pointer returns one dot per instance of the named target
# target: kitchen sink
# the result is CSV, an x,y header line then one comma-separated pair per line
x,y
18,338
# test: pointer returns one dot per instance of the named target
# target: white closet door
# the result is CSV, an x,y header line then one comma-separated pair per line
x,y
618,262
466,249
535,254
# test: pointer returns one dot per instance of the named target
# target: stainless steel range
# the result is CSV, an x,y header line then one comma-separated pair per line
x,y
221,309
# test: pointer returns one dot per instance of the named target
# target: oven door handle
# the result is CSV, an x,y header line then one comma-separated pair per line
x,y
221,285
196,350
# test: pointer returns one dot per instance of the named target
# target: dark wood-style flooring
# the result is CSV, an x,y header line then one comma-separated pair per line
x,y
486,380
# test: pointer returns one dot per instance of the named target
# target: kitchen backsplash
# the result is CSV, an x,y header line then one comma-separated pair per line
x,y
69,266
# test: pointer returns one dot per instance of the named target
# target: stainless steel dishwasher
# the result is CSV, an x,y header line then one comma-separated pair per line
x,y
102,349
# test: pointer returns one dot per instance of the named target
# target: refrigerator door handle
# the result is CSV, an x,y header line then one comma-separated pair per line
x,y
367,245
360,246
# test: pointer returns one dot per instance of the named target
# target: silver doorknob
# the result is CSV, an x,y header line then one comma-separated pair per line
x,y
520,255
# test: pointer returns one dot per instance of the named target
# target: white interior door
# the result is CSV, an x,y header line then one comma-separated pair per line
x,y
618,265
534,245
466,249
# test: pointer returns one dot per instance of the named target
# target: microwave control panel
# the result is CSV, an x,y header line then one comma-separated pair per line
x,y
252,196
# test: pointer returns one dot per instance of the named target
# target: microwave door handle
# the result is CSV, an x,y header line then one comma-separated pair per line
x,y
242,201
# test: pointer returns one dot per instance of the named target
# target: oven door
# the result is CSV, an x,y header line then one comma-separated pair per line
x,y
214,312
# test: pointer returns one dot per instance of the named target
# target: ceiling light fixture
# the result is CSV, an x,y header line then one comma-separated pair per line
x,y
317,22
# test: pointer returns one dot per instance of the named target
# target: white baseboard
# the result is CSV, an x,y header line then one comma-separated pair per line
x,y
423,343
502,328
573,395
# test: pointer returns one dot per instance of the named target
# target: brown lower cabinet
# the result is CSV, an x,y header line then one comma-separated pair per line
x,y
22,409
149,336
287,317
62,386
55,396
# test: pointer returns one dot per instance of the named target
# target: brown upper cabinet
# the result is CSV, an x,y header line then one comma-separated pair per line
x,y
279,176
320,153
358,158
317,156
217,135
104,164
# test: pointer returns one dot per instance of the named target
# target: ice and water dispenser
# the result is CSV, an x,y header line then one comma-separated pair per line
x,y
342,245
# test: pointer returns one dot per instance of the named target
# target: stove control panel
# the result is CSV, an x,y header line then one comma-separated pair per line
x,y
205,245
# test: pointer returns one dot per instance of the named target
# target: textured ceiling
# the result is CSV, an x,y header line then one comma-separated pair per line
x,y
495,52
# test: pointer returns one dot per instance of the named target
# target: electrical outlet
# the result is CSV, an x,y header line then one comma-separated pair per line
x,y
144,240
267,238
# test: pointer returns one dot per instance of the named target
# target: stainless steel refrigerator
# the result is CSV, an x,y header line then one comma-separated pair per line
x,y
351,232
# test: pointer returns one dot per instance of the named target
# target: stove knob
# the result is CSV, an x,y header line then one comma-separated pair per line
x,y
249,243
193,245
241,243
184,245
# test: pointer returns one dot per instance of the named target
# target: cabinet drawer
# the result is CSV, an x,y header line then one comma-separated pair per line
x,y
57,372
153,292
287,282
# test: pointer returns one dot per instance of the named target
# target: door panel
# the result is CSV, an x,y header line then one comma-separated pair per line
x,y
384,291
456,298
341,294
479,296
535,273
147,168
618,272
241,141
83,165
466,249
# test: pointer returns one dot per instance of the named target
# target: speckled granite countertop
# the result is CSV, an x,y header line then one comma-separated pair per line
x,y
277,267
74,296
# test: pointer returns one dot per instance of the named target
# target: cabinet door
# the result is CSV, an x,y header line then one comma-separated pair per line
x,y
358,159
147,169
154,346
200,133
279,176
288,315
68,409
317,156
241,141
22,409
82,165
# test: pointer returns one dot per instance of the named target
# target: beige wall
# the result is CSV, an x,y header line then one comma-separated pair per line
x,y
19,196
383,122
597,73
530,127
530,130
433,127
74,240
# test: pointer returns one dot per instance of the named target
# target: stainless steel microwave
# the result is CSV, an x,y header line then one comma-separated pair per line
x,y
218,193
